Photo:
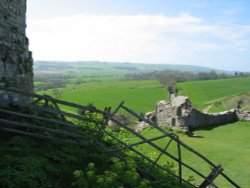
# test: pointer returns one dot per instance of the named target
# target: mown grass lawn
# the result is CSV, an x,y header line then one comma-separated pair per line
x,y
226,145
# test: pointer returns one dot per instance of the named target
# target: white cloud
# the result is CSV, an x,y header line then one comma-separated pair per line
x,y
136,38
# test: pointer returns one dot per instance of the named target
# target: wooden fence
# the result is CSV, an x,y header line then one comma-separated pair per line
x,y
69,135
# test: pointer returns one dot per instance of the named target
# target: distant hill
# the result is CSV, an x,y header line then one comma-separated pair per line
x,y
122,68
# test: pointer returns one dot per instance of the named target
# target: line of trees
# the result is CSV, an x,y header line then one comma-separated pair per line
x,y
51,85
170,78
45,77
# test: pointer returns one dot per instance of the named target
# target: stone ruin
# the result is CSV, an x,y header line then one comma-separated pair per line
x,y
15,58
179,113
243,115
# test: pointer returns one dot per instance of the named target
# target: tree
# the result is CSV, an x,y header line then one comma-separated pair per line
x,y
57,93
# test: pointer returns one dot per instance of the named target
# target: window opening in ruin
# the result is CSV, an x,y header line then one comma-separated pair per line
x,y
173,123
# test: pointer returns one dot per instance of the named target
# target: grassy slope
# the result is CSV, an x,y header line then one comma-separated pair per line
x,y
226,145
202,93
232,102
138,95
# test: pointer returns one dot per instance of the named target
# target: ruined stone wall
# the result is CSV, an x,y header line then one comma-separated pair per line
x,y
179,114
243,115
197,119
166,113
15,58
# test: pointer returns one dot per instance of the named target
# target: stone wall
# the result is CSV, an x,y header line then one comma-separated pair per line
x,y
15,58
243,115
197,119
166,113
178,113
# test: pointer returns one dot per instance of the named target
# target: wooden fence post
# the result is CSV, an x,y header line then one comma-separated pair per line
x,y
180,159
211,177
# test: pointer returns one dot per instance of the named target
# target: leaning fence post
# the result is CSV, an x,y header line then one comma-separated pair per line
x,y
158,158
211,177
179,161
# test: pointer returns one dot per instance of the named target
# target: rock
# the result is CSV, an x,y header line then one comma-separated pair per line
x,y
140,126
150,115
120,118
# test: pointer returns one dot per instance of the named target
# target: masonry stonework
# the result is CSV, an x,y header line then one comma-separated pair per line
x,y
15,58
178,113
243,115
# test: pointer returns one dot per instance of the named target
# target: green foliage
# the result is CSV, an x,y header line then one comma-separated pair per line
x,y
119,174
28,162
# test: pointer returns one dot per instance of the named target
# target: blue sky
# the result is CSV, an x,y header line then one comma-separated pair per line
x,y
212,33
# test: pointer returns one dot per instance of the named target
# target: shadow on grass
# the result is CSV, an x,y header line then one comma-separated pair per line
x,y
192,135
212,127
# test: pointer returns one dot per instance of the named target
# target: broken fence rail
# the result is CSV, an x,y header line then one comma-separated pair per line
x,y
208,180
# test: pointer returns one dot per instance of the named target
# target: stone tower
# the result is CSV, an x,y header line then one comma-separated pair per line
x,y
15,58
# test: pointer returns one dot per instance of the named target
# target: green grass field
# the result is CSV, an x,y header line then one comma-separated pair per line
x,y
202,93
141,96
226,145
231,102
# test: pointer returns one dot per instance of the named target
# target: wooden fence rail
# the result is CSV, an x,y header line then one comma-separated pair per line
x,y
14,127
